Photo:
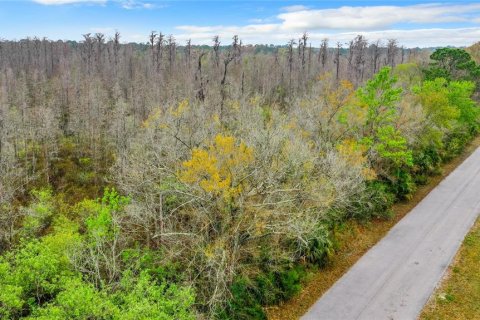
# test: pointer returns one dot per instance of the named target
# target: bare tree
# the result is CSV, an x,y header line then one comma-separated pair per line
x,y
392,49
216,50
337,60
172,47
88,46
376,52
291,43
360,51
302,47
152,38
159,50
199,79
188,52
323,55
116,50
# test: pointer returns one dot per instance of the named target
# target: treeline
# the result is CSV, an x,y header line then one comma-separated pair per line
x,y
202,182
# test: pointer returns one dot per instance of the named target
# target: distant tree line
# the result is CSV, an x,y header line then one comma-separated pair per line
x,y
180,181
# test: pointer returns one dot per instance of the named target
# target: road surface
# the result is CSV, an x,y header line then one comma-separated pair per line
x,y
395,278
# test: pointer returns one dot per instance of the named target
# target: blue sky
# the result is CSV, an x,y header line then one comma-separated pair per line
x,y
413,23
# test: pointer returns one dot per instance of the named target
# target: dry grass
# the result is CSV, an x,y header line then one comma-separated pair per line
x,y
355,239
458,297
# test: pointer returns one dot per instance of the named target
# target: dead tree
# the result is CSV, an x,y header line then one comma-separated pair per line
x,y
188,52
291,43
302,46
151,40
376,52
172,46
199,79
116,49
223,83
236,48
337,60
392,48
216,50
359,51
88,51
322,57
350,54
100,41
309,59
159,50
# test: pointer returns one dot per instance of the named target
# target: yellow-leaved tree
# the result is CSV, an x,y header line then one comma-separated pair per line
x,y
354,154
220,169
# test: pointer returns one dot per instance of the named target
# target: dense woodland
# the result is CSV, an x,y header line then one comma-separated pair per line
x,y
173,181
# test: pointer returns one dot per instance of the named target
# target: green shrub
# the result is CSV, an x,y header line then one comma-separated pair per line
x,y
455,144
404,185
34,273
38,215
426,163
289,280
376,201
268,288
38,280
319,247
138,297
141,297
244,303
78,300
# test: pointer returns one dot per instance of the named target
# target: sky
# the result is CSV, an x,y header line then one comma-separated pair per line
x,y
412,23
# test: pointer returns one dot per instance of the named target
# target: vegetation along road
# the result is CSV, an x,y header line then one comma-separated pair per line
x,y
396,277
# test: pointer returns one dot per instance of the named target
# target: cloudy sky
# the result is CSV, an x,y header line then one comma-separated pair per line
x,y
413,23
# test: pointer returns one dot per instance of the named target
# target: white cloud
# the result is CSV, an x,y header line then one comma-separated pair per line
x,y
60,2
262,20
344,23
294,8
410,38
126,4
248,29
135,4
374,17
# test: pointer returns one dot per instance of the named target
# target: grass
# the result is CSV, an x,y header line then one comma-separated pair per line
x,y
458,297
355,239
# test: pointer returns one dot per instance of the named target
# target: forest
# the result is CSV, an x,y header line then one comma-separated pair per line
x,y
173,181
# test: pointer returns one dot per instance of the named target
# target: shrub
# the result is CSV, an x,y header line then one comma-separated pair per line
x,y
34,273
267,288
426,163
376,201
38,215
404,185
244,303
141,296
77,300
319,247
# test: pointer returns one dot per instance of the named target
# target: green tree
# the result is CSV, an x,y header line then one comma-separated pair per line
x,y
460,95
35,272
384,141
77,300
137,298
441,115
452,64
142,298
